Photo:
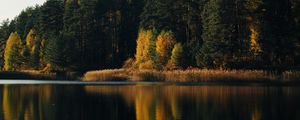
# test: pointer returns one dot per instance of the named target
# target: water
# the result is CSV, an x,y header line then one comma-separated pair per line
x,y
148,102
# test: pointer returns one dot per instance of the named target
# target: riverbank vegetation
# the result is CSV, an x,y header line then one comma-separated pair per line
x,y
155,36
193,75
27,75
38,75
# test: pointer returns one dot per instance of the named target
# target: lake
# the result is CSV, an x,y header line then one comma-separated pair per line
x,y
148,102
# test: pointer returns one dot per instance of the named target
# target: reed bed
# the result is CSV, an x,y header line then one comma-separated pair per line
x,y
291,76
195,75
106,75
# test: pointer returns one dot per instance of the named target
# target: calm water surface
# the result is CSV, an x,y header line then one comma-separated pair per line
x,y
148,102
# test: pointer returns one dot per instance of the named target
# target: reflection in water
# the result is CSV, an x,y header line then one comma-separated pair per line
x,y
141,102
27,103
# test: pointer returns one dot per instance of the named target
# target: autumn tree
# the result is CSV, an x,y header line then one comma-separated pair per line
x,y
145,57
32,47
164,45
12,55
5,30
253,18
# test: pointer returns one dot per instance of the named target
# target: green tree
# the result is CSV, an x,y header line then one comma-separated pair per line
x,y
157,14
12,55
218,34
296,17
54,53
32,48
188,27
177,57
277,44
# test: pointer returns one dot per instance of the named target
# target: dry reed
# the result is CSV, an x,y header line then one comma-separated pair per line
x,y
195,75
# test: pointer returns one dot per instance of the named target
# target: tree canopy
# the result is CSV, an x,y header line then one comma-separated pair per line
x,y
80,35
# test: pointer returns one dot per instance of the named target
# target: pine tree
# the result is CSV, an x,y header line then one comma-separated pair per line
x,y
177,57
157,14
296,17
49,30
278,46
188,27
218,34
12,55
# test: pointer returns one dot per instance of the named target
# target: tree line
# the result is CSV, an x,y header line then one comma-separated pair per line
x,y
85,35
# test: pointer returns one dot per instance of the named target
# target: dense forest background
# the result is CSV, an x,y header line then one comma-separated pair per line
x,y
80,35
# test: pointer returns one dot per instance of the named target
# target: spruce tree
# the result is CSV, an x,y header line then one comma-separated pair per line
x,y
218,34
177,58
49,30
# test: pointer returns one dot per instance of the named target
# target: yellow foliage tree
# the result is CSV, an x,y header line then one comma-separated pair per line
x,y
30,39
12,53
164,45
254,40
145,51
252,6
32,48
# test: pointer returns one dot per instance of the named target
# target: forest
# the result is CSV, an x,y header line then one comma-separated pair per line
x,y
82,35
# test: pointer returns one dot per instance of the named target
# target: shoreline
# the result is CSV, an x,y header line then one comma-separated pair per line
x,y
193,76
182,77
125,83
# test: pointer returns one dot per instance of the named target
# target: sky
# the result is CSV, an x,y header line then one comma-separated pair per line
x,y
11,8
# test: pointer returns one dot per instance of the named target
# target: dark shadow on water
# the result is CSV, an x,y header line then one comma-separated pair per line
x,y
149,102
15,75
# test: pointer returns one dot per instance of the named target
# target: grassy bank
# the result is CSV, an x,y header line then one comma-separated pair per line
x,y
37,75
25,75
195,75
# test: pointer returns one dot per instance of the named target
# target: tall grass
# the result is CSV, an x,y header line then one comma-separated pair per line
x,y
291,75
106,75
195,75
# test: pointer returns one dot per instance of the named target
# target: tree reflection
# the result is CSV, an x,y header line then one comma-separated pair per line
x,y
142,102
27,103
201,102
